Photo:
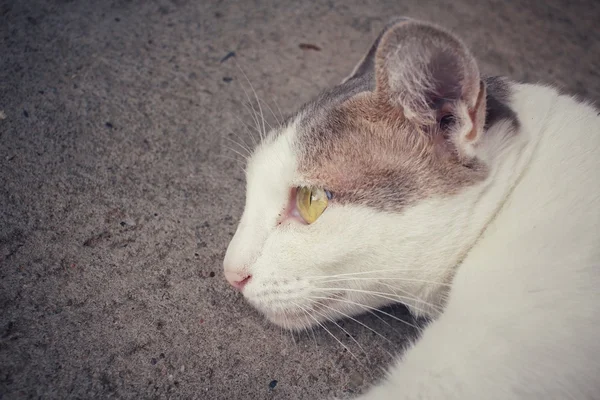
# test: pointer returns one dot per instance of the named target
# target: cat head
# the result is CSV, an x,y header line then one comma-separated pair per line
x,y
363,197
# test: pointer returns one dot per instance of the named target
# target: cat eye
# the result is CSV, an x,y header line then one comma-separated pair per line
x,y
311,202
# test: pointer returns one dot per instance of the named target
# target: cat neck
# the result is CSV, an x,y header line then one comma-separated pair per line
x,y
514,127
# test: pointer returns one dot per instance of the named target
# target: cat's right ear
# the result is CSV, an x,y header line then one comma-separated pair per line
x,y
430,75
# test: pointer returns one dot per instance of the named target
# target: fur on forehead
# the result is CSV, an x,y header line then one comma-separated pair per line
x,y
384,146
379,159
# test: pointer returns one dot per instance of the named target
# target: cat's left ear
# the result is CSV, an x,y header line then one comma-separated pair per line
x,y
433,78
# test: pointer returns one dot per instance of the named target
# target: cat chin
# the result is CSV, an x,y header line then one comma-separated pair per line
x,y
299,318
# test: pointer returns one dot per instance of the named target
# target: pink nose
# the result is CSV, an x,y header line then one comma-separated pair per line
x,y
237,280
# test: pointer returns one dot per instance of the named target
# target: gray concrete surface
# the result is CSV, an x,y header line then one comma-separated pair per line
x,y
118,194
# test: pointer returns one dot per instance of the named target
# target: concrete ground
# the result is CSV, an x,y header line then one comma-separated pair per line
x,y
118,194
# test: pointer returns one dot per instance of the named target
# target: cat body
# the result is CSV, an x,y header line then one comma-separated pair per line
x,y
475,202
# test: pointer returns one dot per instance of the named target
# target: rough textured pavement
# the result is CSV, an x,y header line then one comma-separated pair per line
x,y
118,194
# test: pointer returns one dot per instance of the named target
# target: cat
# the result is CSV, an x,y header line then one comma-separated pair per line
x,y
474,201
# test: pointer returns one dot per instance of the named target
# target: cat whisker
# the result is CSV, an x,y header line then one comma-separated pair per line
x,y
360,323
388,296
239,144
312,332
285,319
250,108
388,279
237,152
343,330
269,107
242,141
366,272
326,330
415,298
255,96
278,109
272,113
263,133
249,130
366,307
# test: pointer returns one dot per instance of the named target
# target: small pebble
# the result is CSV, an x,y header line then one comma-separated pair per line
x,y
153,361
2,115
26,114
273,384
227,79
309,46
109,125
182,369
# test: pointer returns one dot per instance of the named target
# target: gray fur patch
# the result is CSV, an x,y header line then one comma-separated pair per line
x,y
498,102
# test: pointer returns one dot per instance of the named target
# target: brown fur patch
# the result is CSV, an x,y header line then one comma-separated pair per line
x,y
365,152
383,137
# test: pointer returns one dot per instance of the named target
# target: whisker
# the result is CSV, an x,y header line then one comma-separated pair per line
x,y
247,128
237,152
415,298
345,331
239,144
242,141
256,97
360,323
278,109
327,330
264,132
373,293
272,113
369,307
388,279
252,111
250,108
285,319
365,272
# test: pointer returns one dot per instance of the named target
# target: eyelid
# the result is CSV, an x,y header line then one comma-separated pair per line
x,y
291,211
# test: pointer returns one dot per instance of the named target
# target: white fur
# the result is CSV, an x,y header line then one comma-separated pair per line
x,y
522,319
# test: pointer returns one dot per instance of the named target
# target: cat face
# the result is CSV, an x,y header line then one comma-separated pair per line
x,y
394,148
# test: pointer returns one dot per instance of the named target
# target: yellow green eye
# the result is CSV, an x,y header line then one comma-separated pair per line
x,y
311,202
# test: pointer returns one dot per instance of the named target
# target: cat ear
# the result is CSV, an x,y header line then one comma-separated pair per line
x,y
366,66
433,78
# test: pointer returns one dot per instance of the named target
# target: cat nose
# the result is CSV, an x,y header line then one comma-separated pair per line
x,y
237,279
